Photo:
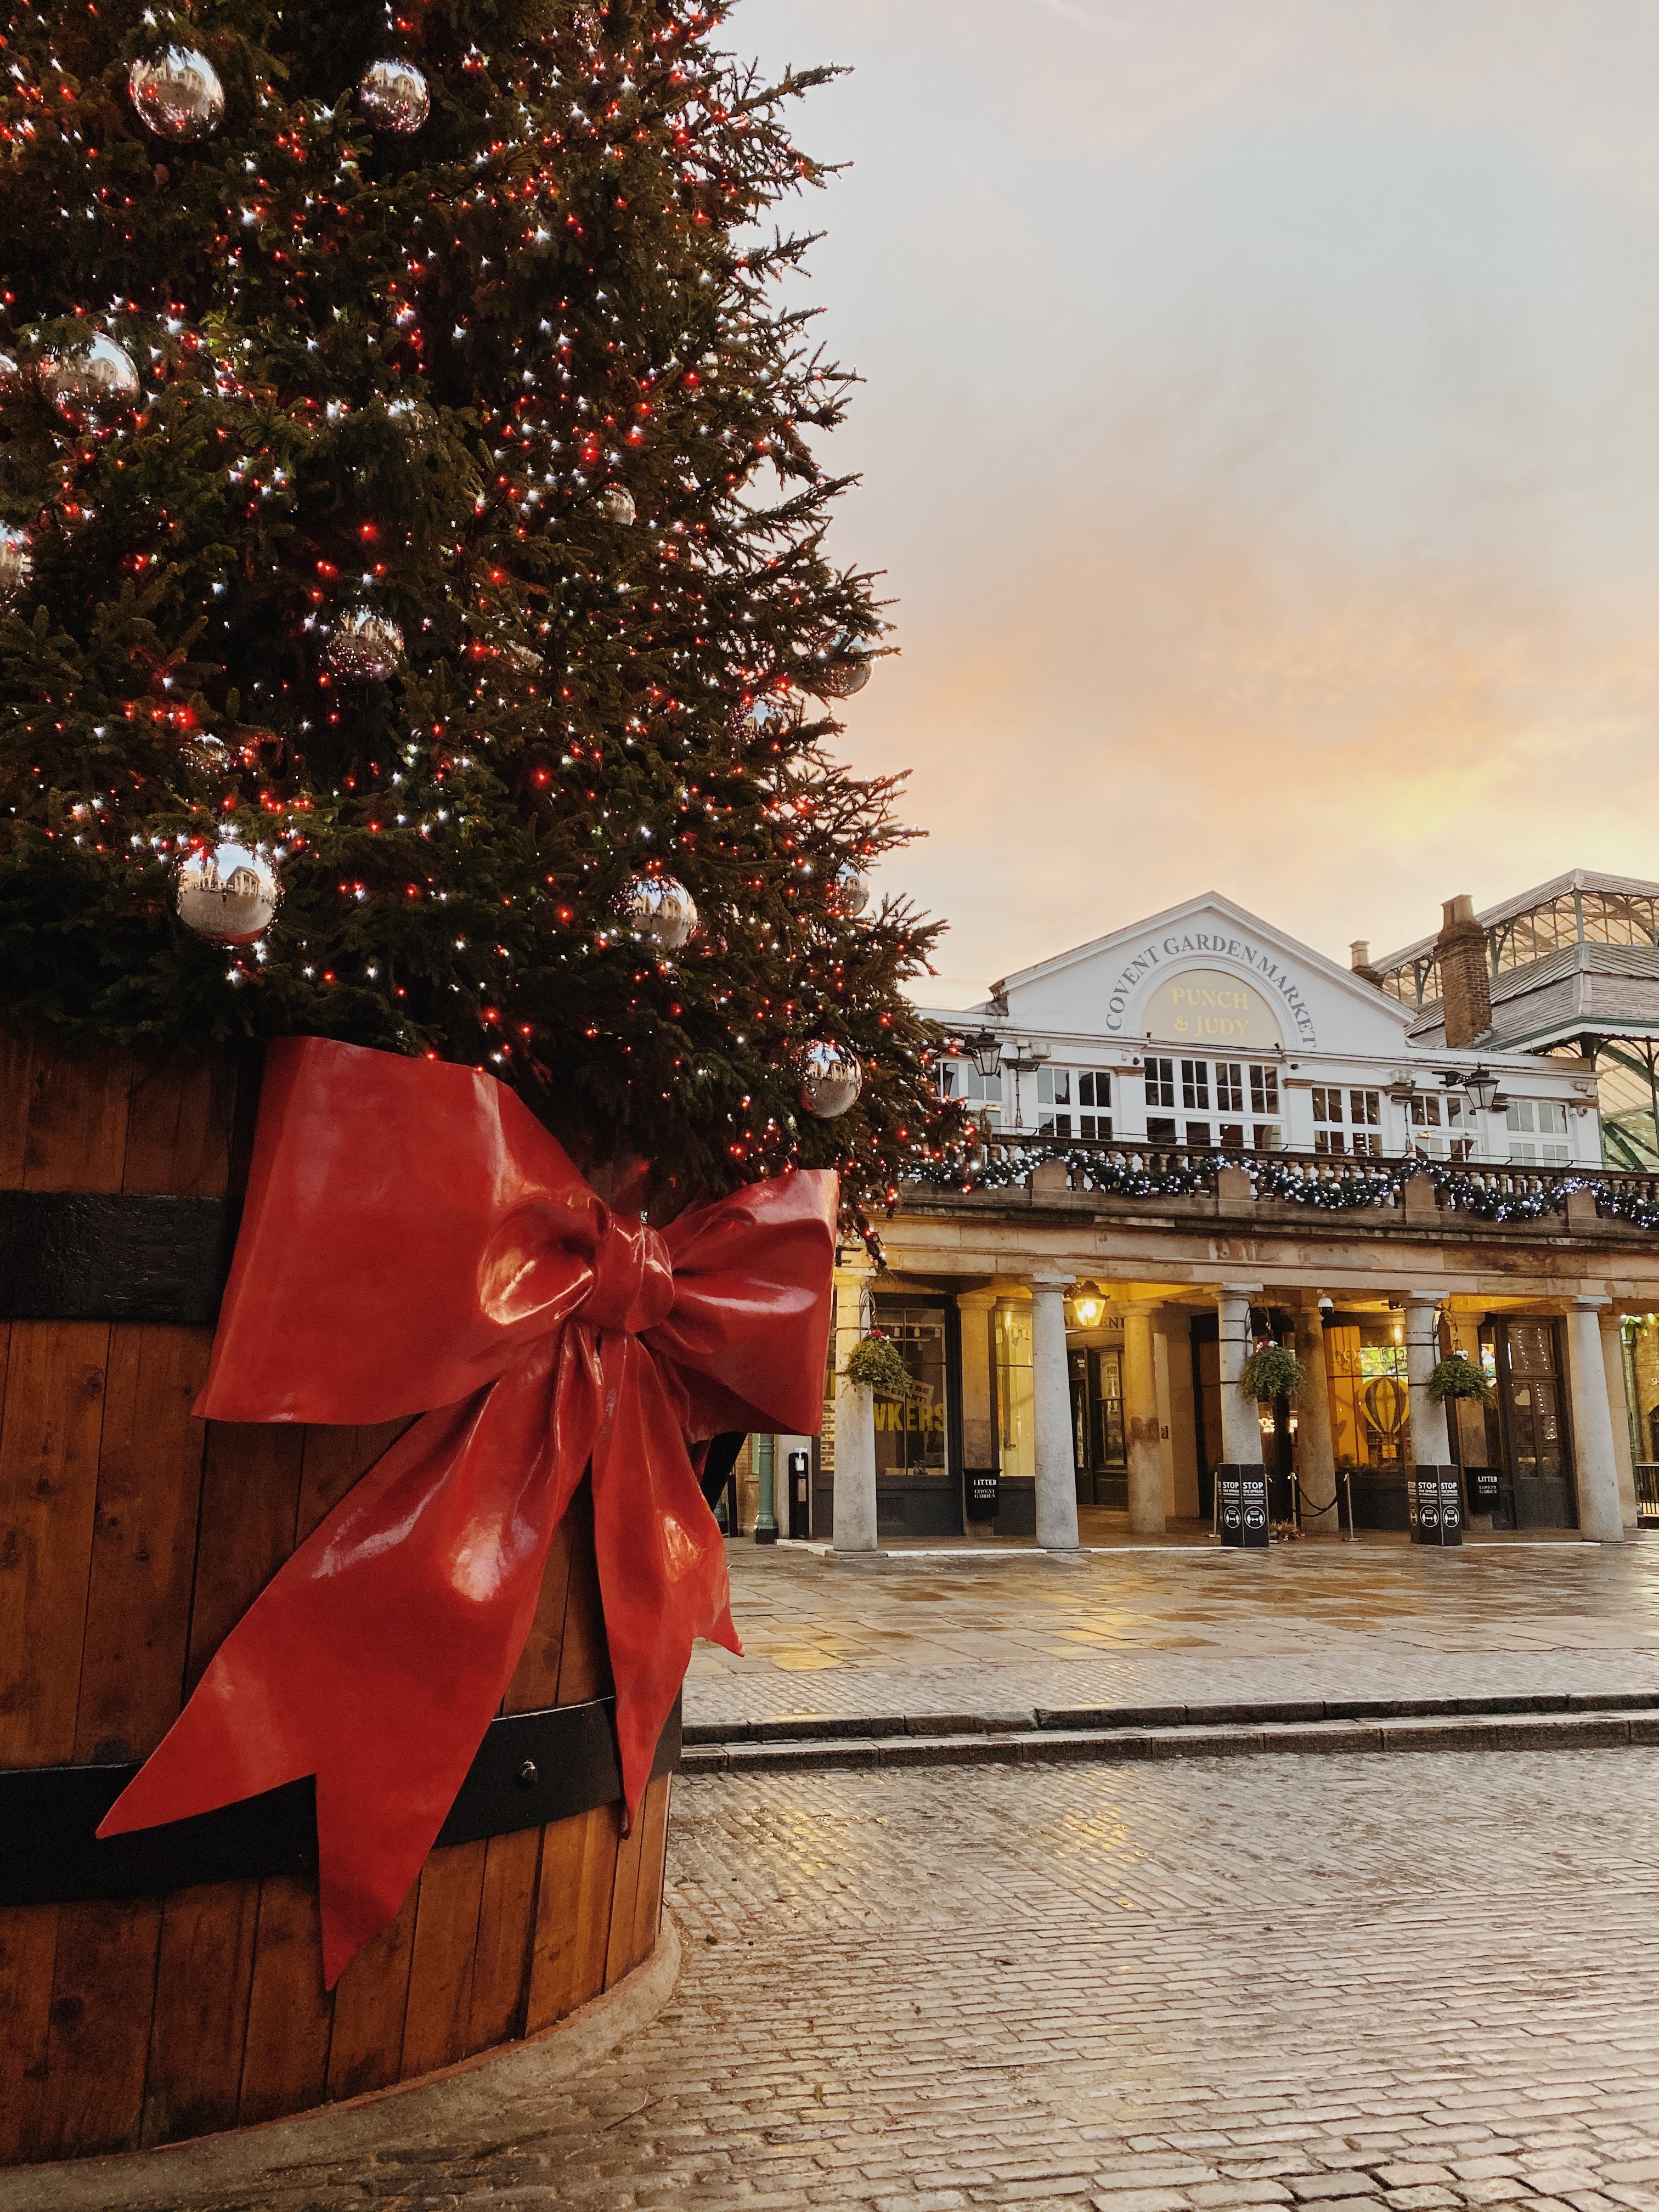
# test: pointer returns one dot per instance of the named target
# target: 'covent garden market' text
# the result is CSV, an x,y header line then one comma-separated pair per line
x,y
1228,948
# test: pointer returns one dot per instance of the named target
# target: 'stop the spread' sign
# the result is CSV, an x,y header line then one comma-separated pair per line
x,y
1203,1006
1273,992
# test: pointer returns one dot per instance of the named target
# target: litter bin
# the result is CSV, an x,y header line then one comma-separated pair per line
x,y
983,1486
800,1495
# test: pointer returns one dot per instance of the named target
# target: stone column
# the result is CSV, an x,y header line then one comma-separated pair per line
x,y
766,1472
1240,1430
1430,1442
1612,1359
1600,1515
1051,1393
855,1430
1315,1454
1143,1445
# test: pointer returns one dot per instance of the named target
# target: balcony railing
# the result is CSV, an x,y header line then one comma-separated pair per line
x,y
1494,1192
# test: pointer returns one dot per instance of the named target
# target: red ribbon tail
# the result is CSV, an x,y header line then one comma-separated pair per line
x,y
376,1657
662,1564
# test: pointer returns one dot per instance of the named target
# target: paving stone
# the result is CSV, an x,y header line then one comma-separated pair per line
x,y
1315,2187
1409,2175
1422,2198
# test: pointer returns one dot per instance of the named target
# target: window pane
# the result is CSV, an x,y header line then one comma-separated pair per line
x,y
1195,1083
1365,1107
1229,1086
1160,1083
1198,1132
1264,1091
1015,1399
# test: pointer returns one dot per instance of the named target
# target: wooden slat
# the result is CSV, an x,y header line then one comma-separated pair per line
x,y
332,1459
506,1915
250,1497
573,1915
370,2000
49,1438
535,1682
653,1851
441,1978
102,1988
624,1897
28,1944
143,1542
77,1127
179,1117
585,1659
285,2059
203,1978
16,1055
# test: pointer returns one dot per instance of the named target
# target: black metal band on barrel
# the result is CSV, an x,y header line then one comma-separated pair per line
x,y
114,1255
531,1768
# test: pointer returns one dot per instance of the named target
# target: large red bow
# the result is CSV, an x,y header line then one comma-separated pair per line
x,y
415,1240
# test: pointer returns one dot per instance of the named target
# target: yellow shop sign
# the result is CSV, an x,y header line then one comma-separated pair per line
x,y
1207,1009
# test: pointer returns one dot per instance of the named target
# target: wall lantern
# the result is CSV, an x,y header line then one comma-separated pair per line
x,y
1482,1088
1087,1304
985,1050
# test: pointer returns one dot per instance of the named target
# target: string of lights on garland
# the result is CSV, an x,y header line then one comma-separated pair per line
x,y
1494,1194
415,620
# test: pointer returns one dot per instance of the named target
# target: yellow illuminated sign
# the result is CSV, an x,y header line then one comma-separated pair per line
x,y
1207,1007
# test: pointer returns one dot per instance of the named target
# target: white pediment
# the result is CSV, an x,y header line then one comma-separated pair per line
x,y
1208,975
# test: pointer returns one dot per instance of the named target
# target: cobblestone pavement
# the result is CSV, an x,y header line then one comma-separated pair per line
x,y
1285,1982
828,1636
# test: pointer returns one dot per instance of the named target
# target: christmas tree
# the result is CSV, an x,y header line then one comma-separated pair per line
x,y
409,507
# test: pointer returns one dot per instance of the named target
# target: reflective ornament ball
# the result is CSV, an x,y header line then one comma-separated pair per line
x,y
365,647
852,890
177,93
16,561
619,504
11,376
208,755
89,382
661,911
393,96
230,895
840,673
830,1080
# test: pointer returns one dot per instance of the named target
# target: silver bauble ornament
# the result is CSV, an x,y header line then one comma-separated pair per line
x,y
619,504
852,890
230,895
208,755
90,381
366,645
177,93
16,561
660,910
831,1079
393,96
841,671
11,376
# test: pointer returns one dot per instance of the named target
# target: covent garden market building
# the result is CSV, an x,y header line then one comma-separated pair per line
x,y
1199,1138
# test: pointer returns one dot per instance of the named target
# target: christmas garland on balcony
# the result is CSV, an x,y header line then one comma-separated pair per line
x,y
1464,1188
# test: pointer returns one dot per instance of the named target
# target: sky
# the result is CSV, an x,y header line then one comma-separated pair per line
x,y
1260,446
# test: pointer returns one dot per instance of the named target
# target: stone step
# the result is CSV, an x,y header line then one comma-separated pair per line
x,y
1048,1736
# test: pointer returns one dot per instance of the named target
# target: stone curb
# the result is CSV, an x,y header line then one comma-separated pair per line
x,y
1595,1729
481,2100
800,1727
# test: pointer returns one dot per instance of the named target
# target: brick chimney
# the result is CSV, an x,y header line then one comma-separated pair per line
x,y
1465,975
1359,960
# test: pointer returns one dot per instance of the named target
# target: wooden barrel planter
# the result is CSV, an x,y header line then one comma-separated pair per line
x,y
132,1537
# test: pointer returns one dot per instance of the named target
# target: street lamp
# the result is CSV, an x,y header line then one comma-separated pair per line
x,y
1025,1055
985,1050
1087,1304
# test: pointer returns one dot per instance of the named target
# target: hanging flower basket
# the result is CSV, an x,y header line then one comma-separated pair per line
x,y
1458,1377
874,1363
1271,1373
